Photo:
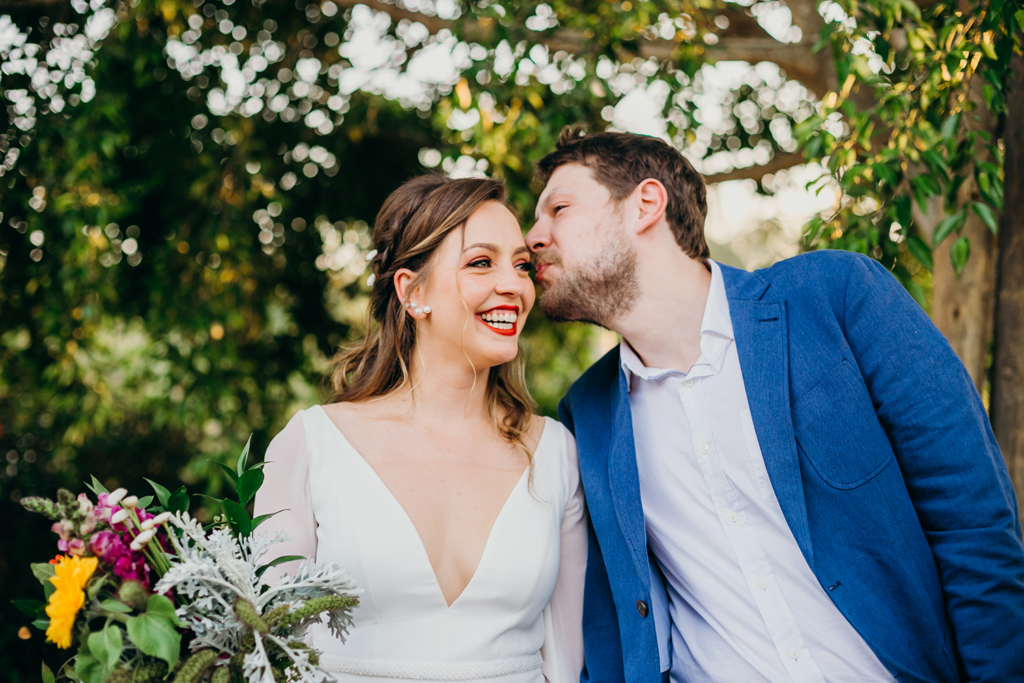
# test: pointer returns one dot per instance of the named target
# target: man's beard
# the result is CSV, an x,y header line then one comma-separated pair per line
x,y
595,293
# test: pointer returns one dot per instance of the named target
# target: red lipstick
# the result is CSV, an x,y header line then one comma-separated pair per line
x,y
503,320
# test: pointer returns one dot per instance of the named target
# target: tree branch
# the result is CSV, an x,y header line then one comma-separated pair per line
x,y
779,162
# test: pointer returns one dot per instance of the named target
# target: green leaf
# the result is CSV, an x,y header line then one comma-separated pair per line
x,y
917,292
106,646
947,227
230,472
41,624
88,668
144,501
262,518
1019,16
986,214
47,675
920,251
163,496
280,560
935,159
96,487
115,606
30,608
179,501
951,126
248,484
959,252
238,518
43,571
240,465
155,632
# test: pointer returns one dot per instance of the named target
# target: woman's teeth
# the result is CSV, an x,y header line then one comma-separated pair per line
x,y
504,320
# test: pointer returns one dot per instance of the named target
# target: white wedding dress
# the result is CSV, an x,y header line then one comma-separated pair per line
x,y
519,620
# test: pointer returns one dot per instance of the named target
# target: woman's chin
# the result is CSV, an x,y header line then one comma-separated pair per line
x,y
497,355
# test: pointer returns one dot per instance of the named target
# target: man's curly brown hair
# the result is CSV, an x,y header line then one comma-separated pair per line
x,y
621,161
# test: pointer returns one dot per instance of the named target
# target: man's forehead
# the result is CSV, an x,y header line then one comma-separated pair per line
x,y
568,178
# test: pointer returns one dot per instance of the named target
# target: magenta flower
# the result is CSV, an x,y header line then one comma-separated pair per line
x,y
115,553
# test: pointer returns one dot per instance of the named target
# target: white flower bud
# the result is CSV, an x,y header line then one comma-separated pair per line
x,y
148,524
162,518
119,517
142,539
114,497
130,502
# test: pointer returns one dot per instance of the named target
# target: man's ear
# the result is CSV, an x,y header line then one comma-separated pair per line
x,y
651,201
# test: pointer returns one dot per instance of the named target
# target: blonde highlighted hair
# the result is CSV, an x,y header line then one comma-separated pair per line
x,y
413,222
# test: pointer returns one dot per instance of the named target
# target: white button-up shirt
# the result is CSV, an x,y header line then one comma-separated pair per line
x,y
744,604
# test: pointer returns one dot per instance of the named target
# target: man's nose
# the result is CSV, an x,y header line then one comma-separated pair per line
x,y
539,236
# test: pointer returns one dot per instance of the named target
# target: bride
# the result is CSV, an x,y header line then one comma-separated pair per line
x,y
428,476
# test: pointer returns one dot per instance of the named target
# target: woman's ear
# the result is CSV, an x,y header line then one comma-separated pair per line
x,y
652,201
407,293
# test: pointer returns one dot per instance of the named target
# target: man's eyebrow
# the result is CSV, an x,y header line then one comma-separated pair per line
x,y
545,201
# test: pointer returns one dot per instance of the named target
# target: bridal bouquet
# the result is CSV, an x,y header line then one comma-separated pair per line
x,y
146,593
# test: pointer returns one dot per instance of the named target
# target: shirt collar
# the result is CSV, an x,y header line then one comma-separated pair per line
x,y
716,333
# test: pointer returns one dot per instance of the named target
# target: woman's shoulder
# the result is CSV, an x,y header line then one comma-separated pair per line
x,y
557,450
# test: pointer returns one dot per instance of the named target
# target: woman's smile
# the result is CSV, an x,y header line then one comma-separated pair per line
x,y
500,319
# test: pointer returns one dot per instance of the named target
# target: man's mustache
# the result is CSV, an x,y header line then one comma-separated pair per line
x,y
547,258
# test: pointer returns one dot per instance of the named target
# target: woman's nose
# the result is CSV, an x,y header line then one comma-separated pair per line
x,y
510,282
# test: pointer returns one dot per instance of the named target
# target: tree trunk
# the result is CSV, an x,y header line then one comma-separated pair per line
x,y
1008,362
963,309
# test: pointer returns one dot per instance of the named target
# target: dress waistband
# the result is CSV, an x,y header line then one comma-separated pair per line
x,y
431,671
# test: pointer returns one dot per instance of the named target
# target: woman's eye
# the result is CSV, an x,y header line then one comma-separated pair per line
x,y
558,208
525,267
479,263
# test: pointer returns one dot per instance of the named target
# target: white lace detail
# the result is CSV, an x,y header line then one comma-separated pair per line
x,y
431,671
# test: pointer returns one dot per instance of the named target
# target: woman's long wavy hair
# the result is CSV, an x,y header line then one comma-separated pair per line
x,y
413,222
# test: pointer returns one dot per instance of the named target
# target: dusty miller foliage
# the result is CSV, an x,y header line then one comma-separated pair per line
x,y
214,569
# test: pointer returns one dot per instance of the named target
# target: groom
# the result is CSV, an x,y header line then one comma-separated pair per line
x,y
790,475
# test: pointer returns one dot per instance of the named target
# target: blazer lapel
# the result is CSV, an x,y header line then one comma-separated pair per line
x,y
624,479
761,332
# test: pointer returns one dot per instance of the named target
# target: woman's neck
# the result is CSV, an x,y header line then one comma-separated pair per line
x,y
444,393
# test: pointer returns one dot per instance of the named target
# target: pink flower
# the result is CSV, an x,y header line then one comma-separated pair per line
x,y
114,552
76,546
64,528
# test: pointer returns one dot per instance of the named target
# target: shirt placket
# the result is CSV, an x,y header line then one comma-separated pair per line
x,y
771,603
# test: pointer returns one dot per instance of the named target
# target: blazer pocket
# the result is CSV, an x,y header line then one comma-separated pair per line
x,y
838,432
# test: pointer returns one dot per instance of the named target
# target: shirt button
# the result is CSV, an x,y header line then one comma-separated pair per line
x,y
641,607
688,383
794,654
732,518
762,584
704,448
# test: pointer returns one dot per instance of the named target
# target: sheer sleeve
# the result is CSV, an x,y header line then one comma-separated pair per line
x,y
563,617
286,491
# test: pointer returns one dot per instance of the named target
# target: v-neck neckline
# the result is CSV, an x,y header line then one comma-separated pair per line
x,y
415,532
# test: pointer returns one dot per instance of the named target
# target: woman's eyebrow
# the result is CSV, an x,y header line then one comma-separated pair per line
x,y
494,247
483,245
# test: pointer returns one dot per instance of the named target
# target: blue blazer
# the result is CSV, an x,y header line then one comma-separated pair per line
x,y
882,459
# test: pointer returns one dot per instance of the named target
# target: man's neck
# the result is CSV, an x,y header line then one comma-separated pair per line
x,y
663,327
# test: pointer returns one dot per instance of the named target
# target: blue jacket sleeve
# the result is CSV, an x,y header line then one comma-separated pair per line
x,y
954,472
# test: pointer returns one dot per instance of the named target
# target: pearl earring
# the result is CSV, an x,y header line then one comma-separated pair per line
x,y
415,308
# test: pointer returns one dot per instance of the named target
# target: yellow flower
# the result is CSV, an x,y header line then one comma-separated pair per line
x,y
70,576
